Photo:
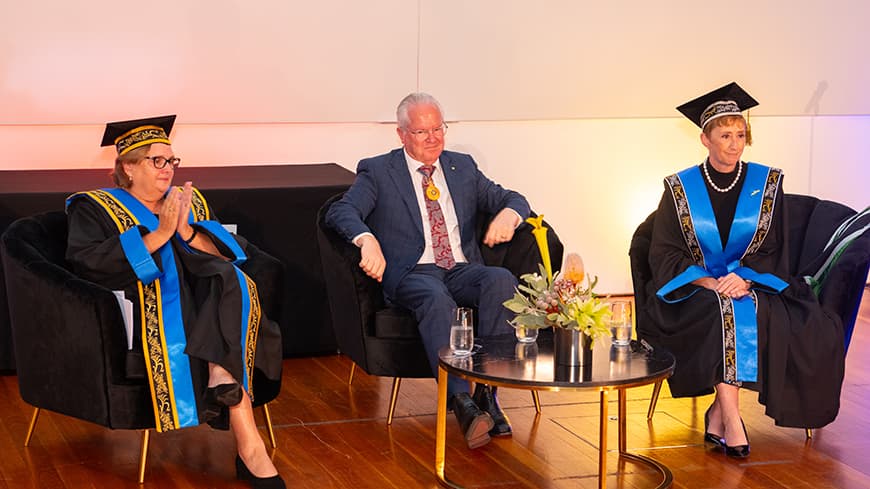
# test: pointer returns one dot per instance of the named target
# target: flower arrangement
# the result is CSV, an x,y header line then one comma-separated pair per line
x,y
563,301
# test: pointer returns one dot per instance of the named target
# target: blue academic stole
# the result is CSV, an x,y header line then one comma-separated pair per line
x,y
163,335
752,220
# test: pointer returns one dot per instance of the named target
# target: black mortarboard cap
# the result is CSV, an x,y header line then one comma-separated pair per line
x,y
727,100
129,135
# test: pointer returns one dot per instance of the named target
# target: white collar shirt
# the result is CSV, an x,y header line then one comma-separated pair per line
x,y
445,200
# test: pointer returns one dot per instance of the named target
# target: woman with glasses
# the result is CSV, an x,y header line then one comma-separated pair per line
x,y
198,332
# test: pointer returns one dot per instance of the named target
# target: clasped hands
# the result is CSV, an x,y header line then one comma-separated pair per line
x,y
174,213
730,285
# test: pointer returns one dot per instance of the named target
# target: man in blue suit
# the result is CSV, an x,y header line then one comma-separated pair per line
x,y
412,213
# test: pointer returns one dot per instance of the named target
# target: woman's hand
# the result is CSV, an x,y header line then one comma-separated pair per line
x,y
168,214
183,227
732,285
167,221
707,282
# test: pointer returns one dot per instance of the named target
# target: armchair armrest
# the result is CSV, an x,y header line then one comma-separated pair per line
x,y
521,255
68,334
268,273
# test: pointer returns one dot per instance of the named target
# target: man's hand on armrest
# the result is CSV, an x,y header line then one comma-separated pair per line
x,y
501,229
372,258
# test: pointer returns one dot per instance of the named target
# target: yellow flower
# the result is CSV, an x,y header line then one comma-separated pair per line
x,y
539,231
573,268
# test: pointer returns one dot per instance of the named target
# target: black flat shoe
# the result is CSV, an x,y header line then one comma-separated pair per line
x,y
474,422
716,440
486,399
243,474
739,451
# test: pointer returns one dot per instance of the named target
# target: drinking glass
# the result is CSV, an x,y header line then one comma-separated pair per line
x,y
526,335
462,331
620,322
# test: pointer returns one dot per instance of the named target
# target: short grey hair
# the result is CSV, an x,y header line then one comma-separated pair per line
x,y
413,100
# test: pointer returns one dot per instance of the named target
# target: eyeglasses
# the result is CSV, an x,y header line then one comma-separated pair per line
x,y
422,134
160,162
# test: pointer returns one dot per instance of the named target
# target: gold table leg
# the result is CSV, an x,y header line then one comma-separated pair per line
x,y
441,430
602,440
621,425
667,477
653,400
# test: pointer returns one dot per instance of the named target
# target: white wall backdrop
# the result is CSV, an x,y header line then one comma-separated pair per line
x,y
571,103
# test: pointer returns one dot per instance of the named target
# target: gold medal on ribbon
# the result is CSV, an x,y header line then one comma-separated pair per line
x,y
432,192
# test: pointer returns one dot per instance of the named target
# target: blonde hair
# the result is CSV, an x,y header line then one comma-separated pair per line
x,y
119,176
728,120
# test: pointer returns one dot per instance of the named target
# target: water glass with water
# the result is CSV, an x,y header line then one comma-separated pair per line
x,y
462,331
620,322
526,335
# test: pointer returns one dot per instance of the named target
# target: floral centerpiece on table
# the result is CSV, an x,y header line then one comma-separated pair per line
x,y
564,301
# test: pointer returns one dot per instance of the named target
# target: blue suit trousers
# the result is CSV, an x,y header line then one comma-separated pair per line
x,y
433,293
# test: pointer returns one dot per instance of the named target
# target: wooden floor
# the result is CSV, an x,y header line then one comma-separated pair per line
x,y
331,435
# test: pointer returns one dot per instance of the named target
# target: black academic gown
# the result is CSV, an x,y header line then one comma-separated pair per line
x,y
209,290
800,346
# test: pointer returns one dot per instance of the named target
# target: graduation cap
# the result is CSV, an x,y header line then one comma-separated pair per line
x,y
129,135
727,100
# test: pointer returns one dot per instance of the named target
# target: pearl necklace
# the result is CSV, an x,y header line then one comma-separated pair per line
x,y
710,180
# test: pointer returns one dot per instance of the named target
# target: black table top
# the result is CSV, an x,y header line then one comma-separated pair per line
x,y
502,360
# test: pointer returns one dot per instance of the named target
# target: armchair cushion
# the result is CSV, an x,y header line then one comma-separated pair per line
x,y
395,322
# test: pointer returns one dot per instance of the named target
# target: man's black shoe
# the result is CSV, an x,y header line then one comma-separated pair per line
x,y
486,399
474,423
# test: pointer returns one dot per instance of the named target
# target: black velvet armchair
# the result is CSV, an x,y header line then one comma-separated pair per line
x,y
69,336
811,221
383,339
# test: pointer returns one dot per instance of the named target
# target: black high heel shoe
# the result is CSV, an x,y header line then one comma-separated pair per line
x,y
243,474
739,451
715,440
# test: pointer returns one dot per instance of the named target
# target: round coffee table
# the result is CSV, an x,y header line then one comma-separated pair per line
x,y
502,361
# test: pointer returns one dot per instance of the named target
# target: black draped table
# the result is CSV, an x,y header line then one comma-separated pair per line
x,y
273,206
501,361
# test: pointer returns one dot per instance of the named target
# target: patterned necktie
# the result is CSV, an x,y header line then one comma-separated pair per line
x,y
440,240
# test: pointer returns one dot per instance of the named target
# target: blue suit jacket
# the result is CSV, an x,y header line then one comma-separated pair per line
x,y
382,201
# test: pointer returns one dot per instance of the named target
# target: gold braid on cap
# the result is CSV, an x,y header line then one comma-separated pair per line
x,y
140,136
719,109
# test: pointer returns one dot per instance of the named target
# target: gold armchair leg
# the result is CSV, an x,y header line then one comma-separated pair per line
x,y
653,400
352,369
269,425
31,427
393,398
809,433
537,401
143,455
